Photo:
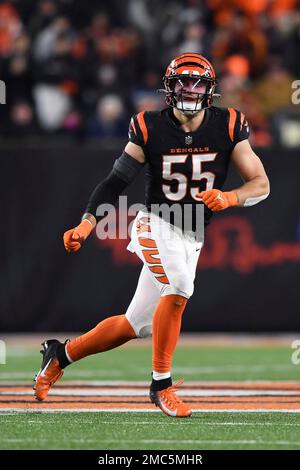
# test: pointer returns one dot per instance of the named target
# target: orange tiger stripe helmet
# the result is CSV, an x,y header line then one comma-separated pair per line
x,y
190,82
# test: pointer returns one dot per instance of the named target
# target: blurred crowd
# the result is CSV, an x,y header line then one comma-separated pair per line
x,y
81,69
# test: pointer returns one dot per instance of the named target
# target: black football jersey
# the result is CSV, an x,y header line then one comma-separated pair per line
x,y
180,164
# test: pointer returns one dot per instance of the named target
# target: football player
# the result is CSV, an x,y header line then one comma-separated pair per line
x,y
187,148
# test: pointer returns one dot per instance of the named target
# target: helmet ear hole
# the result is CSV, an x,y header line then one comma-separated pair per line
x,y
168,99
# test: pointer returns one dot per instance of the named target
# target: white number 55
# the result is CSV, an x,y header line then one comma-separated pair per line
x,y
182,179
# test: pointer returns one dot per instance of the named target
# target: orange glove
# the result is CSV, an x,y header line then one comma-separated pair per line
x,y
74,237
217,200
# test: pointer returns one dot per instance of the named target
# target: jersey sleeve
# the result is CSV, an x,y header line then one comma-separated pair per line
x,y
238,127
138,132
243,130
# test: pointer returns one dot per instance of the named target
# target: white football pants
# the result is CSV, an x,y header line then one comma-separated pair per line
x,y
170,259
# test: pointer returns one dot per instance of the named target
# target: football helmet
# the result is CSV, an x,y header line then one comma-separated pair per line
x,y
190,82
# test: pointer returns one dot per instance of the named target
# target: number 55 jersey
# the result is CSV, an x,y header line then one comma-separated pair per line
x,y
181,164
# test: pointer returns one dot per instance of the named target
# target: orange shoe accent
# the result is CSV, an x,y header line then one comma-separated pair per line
x,y
170,403
46,378
108,334
166,326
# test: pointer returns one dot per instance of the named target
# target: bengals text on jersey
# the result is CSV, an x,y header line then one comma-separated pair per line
x,y
181,164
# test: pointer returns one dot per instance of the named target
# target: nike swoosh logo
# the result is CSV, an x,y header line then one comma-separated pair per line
x,y
44,370
169,412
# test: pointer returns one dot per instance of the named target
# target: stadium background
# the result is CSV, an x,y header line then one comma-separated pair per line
x,y
73,78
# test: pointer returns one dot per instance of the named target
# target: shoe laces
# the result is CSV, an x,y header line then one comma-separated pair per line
x,y
169,394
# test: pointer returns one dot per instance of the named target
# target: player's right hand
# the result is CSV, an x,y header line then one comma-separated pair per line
x,y
74,237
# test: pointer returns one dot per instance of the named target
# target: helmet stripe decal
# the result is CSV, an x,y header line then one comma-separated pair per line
x,y
195,65
185,68
190,64
196,56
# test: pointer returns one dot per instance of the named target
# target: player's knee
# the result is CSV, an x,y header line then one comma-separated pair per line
x,y
141,328
145,331
180,285
142,331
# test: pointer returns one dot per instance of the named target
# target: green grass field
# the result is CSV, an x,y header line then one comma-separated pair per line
x,y
152,430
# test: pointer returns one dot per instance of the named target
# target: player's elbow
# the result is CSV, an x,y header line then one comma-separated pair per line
x,y
262,191
265,186
261,186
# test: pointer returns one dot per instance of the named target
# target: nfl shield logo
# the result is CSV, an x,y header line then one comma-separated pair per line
x,y
188,139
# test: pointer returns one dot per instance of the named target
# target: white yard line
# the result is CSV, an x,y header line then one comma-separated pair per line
x,y
170,441
162,423
145,392
141,410
133,383
204,441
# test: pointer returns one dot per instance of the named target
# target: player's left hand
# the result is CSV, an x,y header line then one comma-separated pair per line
x,y
74,238
217,200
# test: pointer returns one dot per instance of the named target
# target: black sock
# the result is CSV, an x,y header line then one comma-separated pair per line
x,y
61,355
160,384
